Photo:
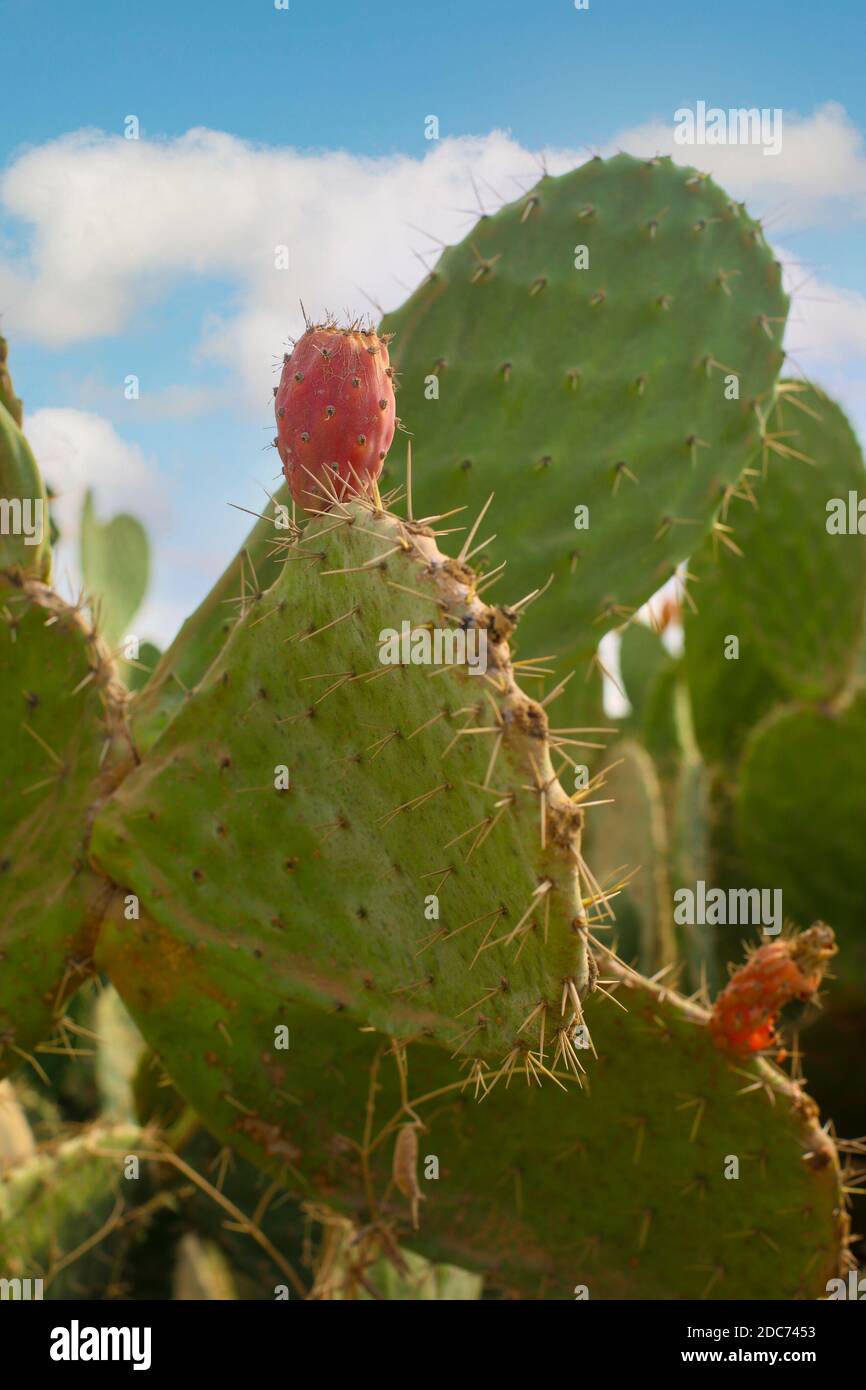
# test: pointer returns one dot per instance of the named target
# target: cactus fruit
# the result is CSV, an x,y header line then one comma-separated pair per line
x,y
606,342
335,413
66,748
744,1015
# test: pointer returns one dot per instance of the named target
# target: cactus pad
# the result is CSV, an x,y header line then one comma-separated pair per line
x,y
387,840
579,348
621,1187
794,595
241,586
65,748
801,820
25,539
115,563
8,397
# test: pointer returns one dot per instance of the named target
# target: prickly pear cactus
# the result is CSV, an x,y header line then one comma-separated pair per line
x,y
65,749
336,879
274,956
606,342
387,839
655,1215
626,1187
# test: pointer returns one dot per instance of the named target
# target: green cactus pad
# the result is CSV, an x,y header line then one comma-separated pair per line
x,y
705,949
387,840
8,397
795,595
651,677
642,658
295,910
136,675
620,1187
241,586
801,820
602,387
64,749
728,694
115,562
25,539
651,1139
627,842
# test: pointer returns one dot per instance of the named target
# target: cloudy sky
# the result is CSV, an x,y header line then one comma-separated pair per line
x,y
304,126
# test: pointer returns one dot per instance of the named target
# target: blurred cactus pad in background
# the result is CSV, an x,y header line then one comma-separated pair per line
x,y
331,973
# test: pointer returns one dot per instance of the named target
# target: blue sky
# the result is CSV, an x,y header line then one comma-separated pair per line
x,y
353,75
176,294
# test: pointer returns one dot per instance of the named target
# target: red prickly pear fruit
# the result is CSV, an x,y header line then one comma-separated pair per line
x,y
335,414
743,1018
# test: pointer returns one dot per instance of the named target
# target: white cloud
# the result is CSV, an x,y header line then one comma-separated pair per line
x,y
829,322
177,402
115,221
75,450
826,338
819,174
